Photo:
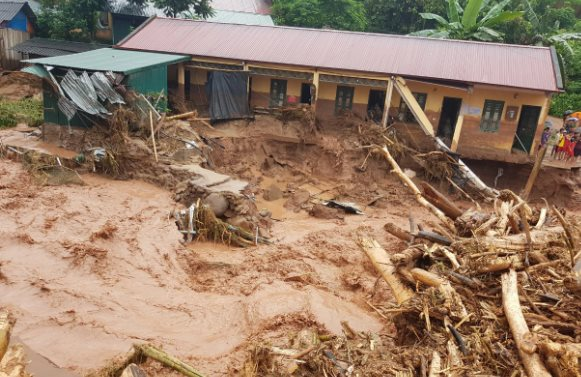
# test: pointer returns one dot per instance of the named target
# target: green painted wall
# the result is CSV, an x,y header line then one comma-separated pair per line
x,y
148,81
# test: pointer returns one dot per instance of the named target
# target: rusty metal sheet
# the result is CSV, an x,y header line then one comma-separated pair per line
x,y
527,67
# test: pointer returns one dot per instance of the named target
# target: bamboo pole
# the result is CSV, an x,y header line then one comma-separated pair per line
x,y
184,115
152,135
5,329
167,360
418,195
385,267
519,328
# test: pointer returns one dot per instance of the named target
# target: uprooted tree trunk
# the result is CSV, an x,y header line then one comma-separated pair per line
x,y
383,265
520,331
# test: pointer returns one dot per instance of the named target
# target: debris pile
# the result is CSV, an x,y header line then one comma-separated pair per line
x,y
482,279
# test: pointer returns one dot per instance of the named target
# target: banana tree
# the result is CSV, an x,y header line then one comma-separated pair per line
x,y
471,22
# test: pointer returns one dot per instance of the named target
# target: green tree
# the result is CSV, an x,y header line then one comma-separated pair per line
x,y
471,22
400,16
69,19
335,14
174,8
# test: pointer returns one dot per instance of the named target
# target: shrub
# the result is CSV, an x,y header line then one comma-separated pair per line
x,y
27,111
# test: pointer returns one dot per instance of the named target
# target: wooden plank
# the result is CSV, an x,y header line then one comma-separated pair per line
x,y
534,173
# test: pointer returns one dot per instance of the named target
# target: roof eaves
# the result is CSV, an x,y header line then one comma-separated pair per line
x,y
137,29
557,69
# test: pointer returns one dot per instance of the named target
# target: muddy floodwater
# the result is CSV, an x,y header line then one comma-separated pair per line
x,y
89,270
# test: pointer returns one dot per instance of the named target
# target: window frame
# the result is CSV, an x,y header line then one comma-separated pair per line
x,y
350,89
491,125
405,112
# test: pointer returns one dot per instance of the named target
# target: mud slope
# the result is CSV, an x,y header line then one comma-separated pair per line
x,y
89,270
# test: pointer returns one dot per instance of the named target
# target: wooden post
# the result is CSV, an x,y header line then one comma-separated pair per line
x,y
457,131
315,96
182,79
534,173
153,134
387,103
413,105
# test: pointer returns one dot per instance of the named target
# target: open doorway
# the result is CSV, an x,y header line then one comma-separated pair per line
x,y
527,128
375,104
306,93
448,119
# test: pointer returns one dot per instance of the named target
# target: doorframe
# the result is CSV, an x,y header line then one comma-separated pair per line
x,y
517,140
457,115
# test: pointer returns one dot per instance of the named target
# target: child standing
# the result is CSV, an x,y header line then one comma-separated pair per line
x,y
552,143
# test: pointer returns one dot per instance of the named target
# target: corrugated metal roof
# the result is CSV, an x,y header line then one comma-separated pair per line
x,y
461,61
108,59
37,70
9,9
53,47
248,6
242,18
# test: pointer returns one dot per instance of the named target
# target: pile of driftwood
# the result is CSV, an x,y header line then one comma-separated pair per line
x,y
199,222
485,292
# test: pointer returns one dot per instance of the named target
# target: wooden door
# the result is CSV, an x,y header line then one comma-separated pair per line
x,y
527,127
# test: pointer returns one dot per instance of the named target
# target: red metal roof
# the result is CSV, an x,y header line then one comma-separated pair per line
x,y
461,61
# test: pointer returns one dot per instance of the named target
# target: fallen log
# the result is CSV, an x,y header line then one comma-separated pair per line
x,y
434,237
383,265
396,231
418,195
519,328
442,202
5,329
167,360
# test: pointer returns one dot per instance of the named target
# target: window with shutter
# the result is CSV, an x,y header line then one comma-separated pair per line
x,y
491,115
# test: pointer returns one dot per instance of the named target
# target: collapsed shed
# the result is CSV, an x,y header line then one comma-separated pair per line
x,y
79,86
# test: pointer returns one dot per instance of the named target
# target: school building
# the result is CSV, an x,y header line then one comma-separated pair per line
x,y
492,98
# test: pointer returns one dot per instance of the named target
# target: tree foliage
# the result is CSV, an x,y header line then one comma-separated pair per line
x,y
69,19
334,14
76,20
474,21
400,16
174,8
